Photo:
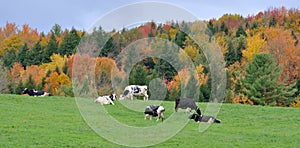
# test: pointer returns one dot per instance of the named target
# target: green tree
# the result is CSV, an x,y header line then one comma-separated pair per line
x,y
180,38
9,58
240,32
19,88
138,75
261,82
224,28
22,55
234,50
30,84
4,79
52,47
37,54
56,30
69,43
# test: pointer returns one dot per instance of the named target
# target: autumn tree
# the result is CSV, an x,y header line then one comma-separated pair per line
x,y
4,79
280,43
254,45
12,42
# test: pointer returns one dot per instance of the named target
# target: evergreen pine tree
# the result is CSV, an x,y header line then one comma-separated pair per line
x,y
22,55
138,75
30,84
19,88
37,54
261,82
52,47
240,32
69,43
9,58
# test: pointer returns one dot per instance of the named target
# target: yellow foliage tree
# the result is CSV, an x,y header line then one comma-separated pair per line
x,y
63,79
52,83
191,51
56,60
254,44
173,33
296,103
202,78
13,42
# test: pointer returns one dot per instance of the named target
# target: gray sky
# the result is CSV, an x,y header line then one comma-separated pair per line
x,y
83,13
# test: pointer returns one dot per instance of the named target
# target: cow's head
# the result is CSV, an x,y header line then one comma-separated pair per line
x,y
113,97
27,91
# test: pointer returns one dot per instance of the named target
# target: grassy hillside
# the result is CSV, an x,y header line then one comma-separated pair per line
x,y
56,122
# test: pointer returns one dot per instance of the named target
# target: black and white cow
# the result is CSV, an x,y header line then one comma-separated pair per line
x,y
134,90
201,118
106,99
188,104
153,111
33,92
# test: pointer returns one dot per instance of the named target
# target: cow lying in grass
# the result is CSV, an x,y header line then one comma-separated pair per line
x,y
188,104
33,92
153,111
134,90
202,118
106,99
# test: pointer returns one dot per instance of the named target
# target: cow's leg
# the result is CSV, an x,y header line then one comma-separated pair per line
x,y
146,116
131,96
158,116
146,97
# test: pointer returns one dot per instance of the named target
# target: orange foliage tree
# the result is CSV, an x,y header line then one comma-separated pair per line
x,y
281,45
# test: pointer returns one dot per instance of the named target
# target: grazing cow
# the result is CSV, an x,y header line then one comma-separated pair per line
x,y
33,92
106,99
188,104
201,118
134,90
153,111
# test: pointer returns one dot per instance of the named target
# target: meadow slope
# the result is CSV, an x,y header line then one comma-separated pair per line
x,y
57,122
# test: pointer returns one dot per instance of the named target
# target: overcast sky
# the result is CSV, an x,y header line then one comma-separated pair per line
x,y
82,14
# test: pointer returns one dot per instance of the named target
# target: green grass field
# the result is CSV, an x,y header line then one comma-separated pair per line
x,y
57,122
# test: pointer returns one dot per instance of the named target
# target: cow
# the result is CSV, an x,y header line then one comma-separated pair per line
x,y
106,99
134,90
153,111
33,92
201,118
188,104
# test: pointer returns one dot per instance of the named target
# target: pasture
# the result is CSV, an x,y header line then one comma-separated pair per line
x,y
57,122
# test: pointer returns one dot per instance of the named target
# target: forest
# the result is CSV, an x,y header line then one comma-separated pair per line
x,y
261,54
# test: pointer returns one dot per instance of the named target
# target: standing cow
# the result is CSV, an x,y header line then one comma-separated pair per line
x,y
153,111
134,90
188,104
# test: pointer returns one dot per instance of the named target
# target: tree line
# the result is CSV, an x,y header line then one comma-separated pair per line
x,y
261,54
